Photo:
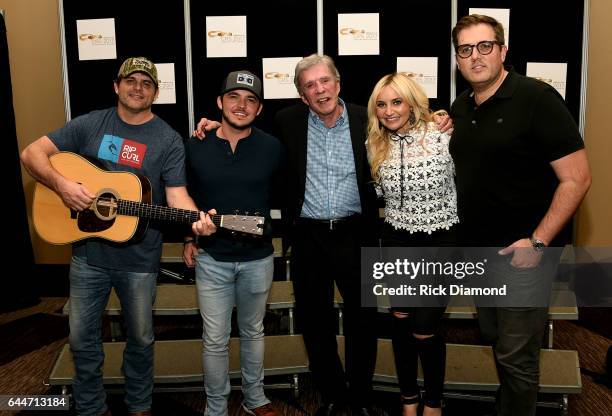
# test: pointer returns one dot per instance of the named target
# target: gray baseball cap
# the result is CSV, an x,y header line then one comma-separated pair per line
x,y
242,80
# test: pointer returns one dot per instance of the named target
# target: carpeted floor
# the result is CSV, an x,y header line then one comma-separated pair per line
x,y
31,339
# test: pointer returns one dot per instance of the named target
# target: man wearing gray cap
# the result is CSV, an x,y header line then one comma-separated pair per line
x,y
128,137
233,168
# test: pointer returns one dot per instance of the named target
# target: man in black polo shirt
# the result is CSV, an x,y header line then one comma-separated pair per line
x,y
521,173
233,169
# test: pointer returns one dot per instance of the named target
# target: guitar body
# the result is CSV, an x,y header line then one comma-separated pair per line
x,y
58,224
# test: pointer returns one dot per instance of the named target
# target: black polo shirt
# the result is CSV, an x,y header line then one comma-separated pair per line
x,y
502,151
234,181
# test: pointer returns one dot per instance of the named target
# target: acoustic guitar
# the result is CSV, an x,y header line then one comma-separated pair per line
x,y
121,210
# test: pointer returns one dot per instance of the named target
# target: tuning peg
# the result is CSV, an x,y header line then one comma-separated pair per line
x,y
257,214
246,213
236,212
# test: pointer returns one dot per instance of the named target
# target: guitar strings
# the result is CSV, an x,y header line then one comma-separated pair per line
x,y
154,211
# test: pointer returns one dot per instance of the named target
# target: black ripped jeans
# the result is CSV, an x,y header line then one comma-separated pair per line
x,y
419,321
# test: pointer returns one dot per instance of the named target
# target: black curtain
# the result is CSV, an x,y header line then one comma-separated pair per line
x,y
16,288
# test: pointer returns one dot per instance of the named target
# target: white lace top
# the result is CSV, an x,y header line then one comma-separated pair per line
x,y
417,182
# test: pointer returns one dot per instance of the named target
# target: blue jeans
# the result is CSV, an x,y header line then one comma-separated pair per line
x,y
221,285
90,287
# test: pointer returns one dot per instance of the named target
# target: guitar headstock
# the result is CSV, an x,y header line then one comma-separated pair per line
x,y
248,224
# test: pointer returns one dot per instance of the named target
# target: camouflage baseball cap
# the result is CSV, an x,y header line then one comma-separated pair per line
x,y
138,64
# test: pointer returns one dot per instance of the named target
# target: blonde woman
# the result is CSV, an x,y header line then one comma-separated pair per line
x,y
413,172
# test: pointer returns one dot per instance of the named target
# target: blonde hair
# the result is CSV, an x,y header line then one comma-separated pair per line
x,y
378,136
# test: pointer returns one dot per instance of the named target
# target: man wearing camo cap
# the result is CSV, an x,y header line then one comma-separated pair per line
x,y
128,137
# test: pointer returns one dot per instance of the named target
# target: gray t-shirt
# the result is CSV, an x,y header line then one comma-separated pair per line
x,y
153,150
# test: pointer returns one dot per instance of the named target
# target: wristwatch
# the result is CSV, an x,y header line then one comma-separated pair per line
x,y
538,245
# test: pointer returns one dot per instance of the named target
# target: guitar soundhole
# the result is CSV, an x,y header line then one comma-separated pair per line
x,y
102,214
105,205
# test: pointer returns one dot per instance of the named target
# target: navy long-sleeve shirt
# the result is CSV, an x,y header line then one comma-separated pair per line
x,y
234,181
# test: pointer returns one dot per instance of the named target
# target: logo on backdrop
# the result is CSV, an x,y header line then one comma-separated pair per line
x,y
360,34
411,74
226,37
279,77
97,39
421,78
558,85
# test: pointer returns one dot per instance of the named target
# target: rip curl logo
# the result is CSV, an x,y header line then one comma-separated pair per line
x,y
132,154
122,151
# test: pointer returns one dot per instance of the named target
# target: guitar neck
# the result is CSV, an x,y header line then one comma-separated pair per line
x,y
157,212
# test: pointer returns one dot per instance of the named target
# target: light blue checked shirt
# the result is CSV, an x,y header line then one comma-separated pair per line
x,y
331,183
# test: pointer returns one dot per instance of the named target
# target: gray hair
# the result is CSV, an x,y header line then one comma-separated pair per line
x,y
311,61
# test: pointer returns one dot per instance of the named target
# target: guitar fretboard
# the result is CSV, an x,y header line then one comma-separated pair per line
x,y
156,212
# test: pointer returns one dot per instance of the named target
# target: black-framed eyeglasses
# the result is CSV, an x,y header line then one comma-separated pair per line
x,y
483,47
